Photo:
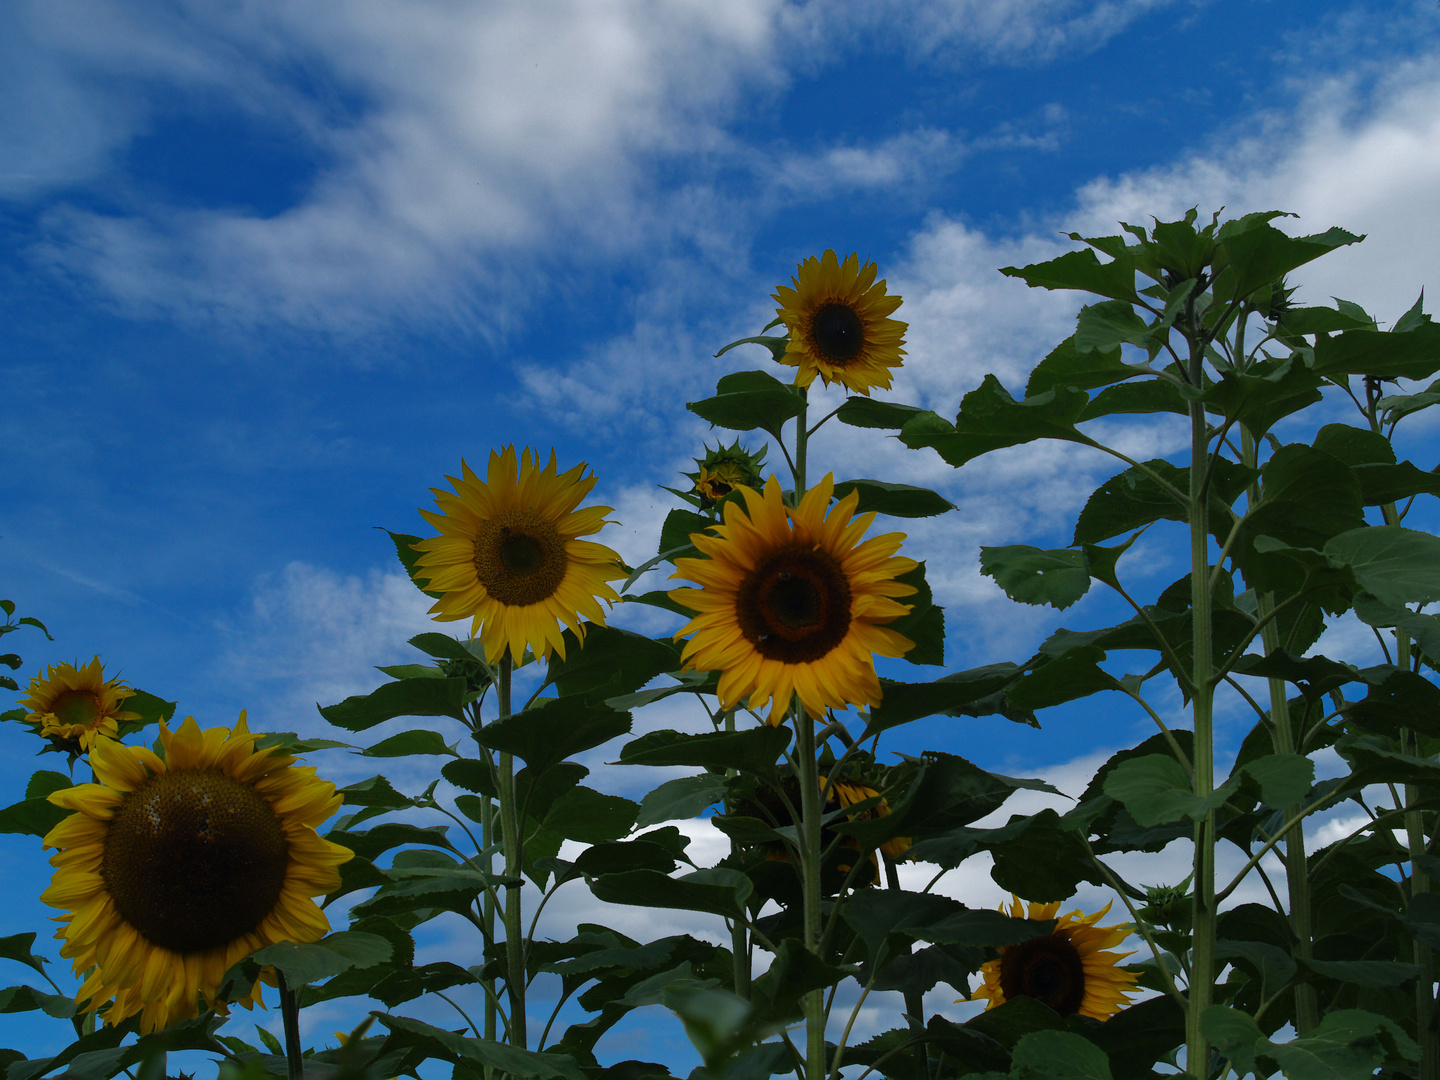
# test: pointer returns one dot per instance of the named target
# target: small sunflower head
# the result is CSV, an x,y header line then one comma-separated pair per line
x,y
724,469
1273,301
837,316
72,706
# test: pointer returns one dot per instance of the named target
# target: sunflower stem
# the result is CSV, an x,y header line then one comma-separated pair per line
x,y
510,840
1202,959
802,440
290,1013
739,938
811,811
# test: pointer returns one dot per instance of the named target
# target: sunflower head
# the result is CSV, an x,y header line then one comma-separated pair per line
x,y
509,555
1066,969
171,869
724,469
74,706
791,602
838,318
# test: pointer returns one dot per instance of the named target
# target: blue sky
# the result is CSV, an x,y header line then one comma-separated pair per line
x,y
268,271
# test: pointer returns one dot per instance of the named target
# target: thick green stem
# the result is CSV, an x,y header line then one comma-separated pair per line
x,y
510,842
739,937
1282,738
1202,958
808,834
290,1015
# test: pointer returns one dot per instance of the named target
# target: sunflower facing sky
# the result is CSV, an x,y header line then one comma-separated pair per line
x,y
171,870
509,555
77,704
1065,969
792,602
838,318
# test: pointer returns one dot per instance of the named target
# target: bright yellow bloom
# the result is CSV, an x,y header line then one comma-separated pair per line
x,y
838,318
171,870
717,482
77,704
509,557
1066,969
792,602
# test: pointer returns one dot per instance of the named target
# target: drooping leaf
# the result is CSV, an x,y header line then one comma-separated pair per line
x,y
1030,575
872,413
1414,354
481,1054
34,817
901,703
990,419
414,741
749,750
406,697
747,400
590,816
611,662
681,798
925,623
896,500
545,734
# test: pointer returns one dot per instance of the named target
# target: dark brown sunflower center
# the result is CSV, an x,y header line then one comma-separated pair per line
x,y
520,557
77,707
795,605
194,859
1048,969
838,333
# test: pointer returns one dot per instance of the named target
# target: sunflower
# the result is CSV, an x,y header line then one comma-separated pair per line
x,y
720,481
509,557
849,792
792,603
837,316
77,704
171,870
1065,969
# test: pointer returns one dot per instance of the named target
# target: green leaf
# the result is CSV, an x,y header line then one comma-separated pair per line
x,y
1138,496
441,646
1305,321
925,623
1155,790
305,964
407,697
1150,396
682,798
776,345
35,817
1271,965
876,914
1397,565
1032,576
1069,365
390,834
719,891
1308,496
1375,973
622,856
471,775
374,792
45,781
990,419
750,750
1424,630
544,735
680,525
1414,354
485,1054
897,500
1081,270
15,999
901,703
1058,1055
1075,675
1106,326
17,947
870,413
1265,394
409,557
612,662
152,709
748,400
1261,255
414,741
589,816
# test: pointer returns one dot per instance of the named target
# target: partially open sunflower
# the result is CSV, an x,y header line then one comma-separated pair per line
x,y
1065,969
791,602
77,704
171,870
509,555
838,318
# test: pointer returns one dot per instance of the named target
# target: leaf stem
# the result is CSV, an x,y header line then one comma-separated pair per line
x,y
290,1013
514,855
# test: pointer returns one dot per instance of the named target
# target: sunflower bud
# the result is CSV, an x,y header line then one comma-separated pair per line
x,y
724,469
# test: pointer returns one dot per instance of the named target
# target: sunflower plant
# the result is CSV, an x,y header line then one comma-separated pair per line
x,y
802,631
